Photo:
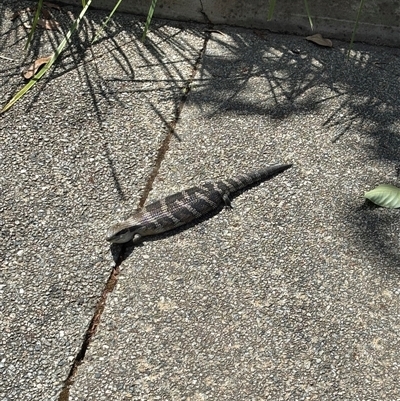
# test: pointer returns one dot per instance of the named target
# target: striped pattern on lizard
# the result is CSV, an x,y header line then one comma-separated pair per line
x,y
186,206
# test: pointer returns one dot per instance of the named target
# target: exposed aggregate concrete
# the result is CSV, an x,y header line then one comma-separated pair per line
x,y
293,294
75,155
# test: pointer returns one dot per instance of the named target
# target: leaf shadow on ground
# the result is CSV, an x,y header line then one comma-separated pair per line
x,y
365,92
365,88
117,74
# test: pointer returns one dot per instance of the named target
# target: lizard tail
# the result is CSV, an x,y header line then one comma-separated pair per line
x,y
244,180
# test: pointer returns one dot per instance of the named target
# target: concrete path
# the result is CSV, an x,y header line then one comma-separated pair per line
x,y
292,295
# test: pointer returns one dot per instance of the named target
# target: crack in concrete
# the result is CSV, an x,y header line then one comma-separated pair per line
x,y
207,19
171,131
92,328
113,278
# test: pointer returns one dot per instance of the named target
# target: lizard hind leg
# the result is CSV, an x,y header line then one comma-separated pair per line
x,y
136,238
227,200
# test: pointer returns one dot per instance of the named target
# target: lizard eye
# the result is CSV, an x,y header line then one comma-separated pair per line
x,y
117,235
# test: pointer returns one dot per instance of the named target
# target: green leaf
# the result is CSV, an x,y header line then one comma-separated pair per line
x,y
385,195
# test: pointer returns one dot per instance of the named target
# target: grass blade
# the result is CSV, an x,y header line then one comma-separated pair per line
x,y
355,28
309,15
47,66
35,20
271,9
149,17
98,32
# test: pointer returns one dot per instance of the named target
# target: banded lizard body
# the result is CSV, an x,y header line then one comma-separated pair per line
x,y
186,206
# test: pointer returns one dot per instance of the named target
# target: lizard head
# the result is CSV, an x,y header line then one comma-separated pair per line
x,y
123,232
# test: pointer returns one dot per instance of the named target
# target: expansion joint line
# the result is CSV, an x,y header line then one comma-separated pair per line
x,y
92,328
172,125
113,278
